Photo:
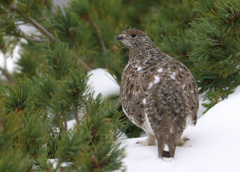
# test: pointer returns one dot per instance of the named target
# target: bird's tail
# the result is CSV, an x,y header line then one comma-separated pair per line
x,y
166,146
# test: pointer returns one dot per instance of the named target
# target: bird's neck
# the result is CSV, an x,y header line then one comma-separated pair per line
x,y
142,53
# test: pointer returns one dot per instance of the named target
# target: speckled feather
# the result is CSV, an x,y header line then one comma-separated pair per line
x,y
158,93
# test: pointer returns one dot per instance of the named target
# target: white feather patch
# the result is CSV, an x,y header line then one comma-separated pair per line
x,y
139,68
147,125
166,148
172,77
157,79
189,121
160,70
150,85
125,112
131,119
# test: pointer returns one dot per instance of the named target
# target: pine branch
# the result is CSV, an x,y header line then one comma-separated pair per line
x,y
98,35
8,76
42,29
65,125
37,25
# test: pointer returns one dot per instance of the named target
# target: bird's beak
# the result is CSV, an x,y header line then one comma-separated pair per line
x,y
119,37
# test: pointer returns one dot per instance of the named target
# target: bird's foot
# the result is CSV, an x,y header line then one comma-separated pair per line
x,y
181,141
144,143
150,141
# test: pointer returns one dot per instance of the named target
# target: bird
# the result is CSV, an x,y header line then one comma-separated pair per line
x,y
158,93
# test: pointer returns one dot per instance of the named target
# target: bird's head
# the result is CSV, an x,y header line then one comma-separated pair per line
x,y
133,38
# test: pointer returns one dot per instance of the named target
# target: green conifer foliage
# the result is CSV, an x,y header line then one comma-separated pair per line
x,y
18,97
31,129
24,132
215,40
167,23
51,88
90,145
76,91
14,160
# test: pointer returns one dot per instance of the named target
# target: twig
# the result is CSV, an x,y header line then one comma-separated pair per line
x,y
34,39
22,35
76,115
65,125
98,35
8,76
84,65
42,29
5,62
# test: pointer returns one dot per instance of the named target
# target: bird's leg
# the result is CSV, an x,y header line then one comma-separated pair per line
x,y
149,141
181,141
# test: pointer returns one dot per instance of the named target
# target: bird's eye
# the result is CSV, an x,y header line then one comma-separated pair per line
x,y
133,35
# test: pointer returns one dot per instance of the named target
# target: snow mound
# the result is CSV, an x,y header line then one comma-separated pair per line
x,y
213,145
102,82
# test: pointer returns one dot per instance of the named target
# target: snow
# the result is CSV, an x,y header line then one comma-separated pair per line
x,y
54,163
103,82
10,60
213,145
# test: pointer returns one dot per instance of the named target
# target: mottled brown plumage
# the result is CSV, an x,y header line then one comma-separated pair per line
x,y
158,93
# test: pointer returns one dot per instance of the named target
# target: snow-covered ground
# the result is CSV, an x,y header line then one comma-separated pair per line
x,y
214,143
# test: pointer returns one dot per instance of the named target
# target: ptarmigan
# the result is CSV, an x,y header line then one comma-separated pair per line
x,y
158,93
